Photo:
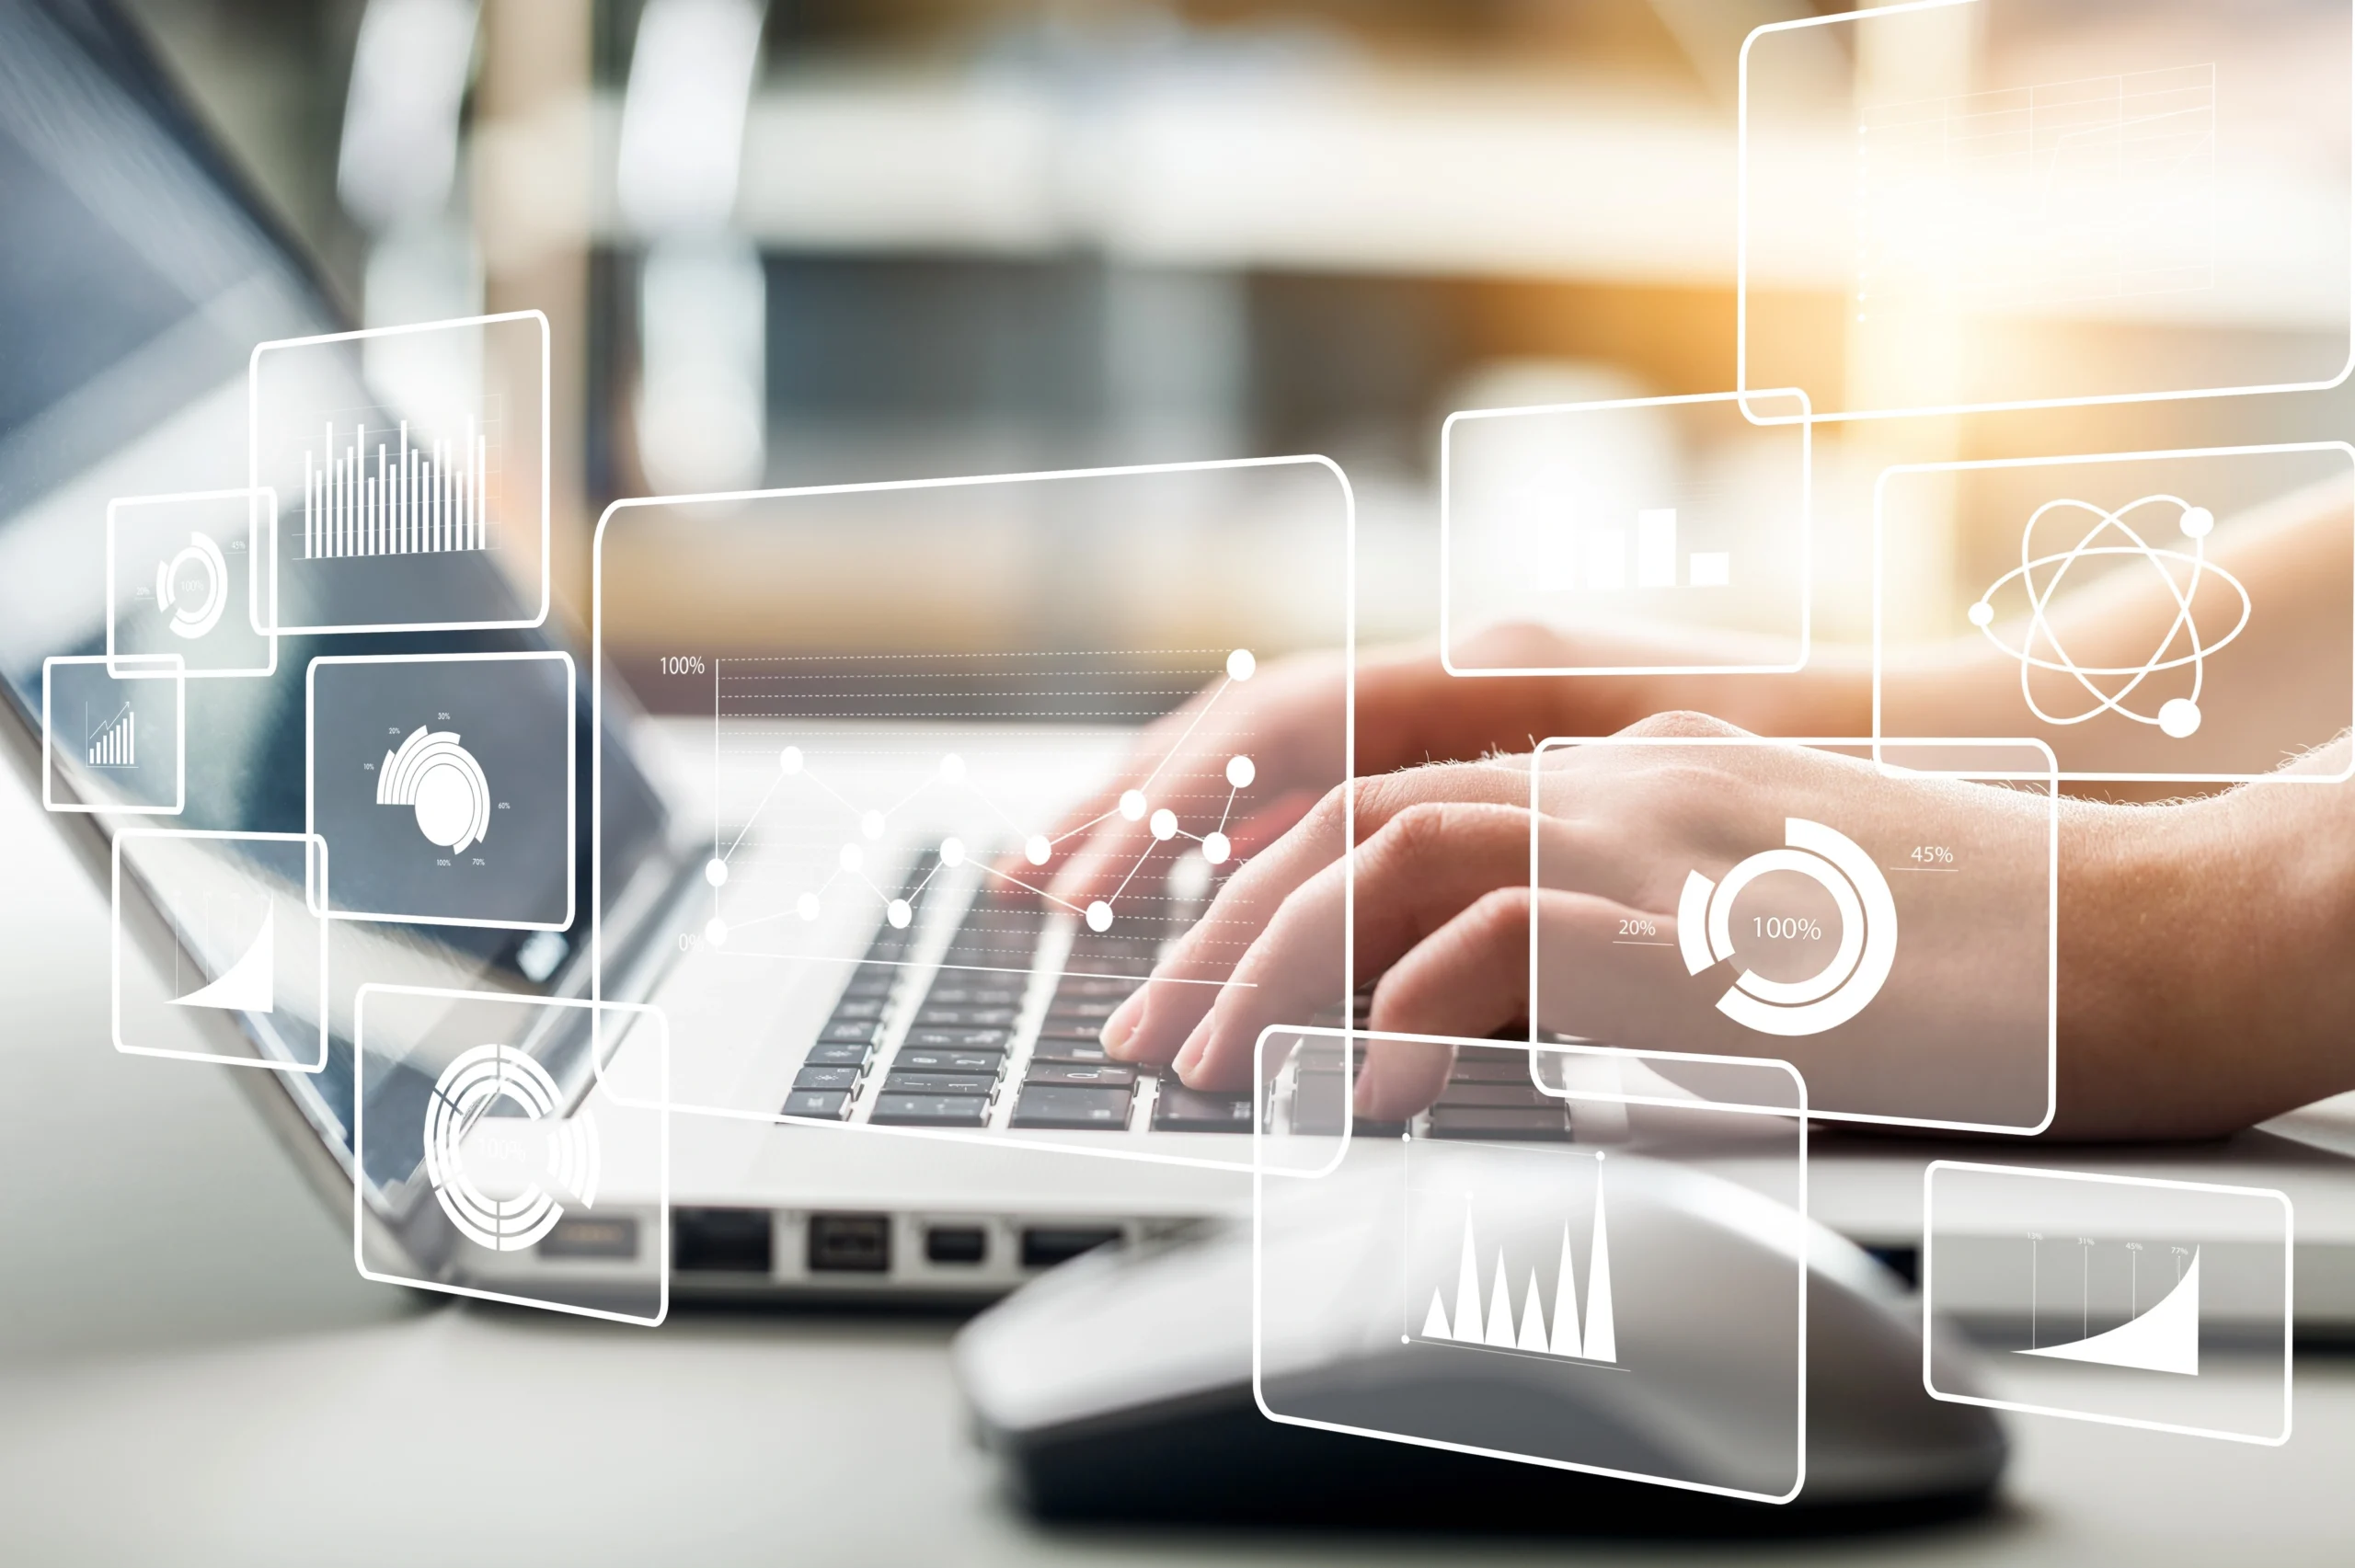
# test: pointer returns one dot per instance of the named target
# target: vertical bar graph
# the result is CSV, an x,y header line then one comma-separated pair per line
x,y
112,743
1606,559
1656,548
384,493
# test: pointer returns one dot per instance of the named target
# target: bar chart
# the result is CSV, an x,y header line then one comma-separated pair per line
x,y
1594,557
380,493
113,741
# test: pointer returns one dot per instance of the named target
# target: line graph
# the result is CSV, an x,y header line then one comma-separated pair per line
x,y
803,725
112,741
2162,1337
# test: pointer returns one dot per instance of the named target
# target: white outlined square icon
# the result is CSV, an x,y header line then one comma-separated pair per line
x,y
2130,1301
444,784
246,937
2104,615
1688,515
402,460
181,574
116,742
514,1148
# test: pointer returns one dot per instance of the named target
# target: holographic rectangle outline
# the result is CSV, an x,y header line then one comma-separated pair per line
x,y
571,775
1742,262
1806,534
1879,524
253,579
2052,893
662,1164
1797,1112
1005,1138
179,677
253,474
2289,1297
314,895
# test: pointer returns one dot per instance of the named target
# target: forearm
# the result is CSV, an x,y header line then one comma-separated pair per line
x,y
2207,977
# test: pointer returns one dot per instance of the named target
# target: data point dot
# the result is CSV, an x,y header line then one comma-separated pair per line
x,y
1240,665
899,913
806,906
952,852
2178,716
1100,916
1163,823
1982,614
1216,848
1240,771
789,761
716,873
870,824
1132,805
853,857
1037,850
2198,521
714,931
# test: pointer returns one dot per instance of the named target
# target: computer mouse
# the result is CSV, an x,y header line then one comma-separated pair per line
x,y
1120,1386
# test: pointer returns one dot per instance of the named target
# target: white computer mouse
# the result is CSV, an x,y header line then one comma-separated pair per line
x,y
1120,1386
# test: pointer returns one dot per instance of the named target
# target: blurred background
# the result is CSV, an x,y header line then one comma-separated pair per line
x,y
789,242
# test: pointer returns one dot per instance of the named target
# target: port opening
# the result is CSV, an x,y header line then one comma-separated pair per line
x,y
1043,1246
722,1240
850,1243
965,1245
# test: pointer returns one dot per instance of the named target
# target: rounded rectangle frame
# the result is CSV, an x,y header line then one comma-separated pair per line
x,y
265,497
2049,776
315,898
660,1250
2288,1295
177,675
1803,421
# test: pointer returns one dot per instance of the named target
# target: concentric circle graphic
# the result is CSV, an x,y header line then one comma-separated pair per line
x,y
467,1090
443,783
1858,965
197,611
2113,689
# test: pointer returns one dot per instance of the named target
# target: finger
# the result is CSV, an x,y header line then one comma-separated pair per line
x,y
1156,1022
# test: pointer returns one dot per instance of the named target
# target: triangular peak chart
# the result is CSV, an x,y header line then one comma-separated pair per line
x,y
1505,1293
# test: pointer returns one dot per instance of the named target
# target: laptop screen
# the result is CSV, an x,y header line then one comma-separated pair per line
x,y
135,280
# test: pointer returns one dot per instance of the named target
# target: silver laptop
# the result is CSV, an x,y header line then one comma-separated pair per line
x,y
883,1069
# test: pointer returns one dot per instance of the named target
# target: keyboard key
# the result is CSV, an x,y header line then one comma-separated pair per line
x,y
862,1032
964,995
857,1009
917,1058
1081,1053
932,1017
940,1082
828,1105
1495,1095
826,1078
1109,1075
1489,1070
1181,1109
958,1039
872,981
1544,1124
1054,1106
1088,1010
839,1056
930,1110
1083,986
1070,1029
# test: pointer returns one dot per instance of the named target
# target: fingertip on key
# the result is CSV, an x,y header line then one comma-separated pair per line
x,y
1122,1026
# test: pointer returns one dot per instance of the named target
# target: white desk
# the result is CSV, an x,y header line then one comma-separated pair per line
x,y
191,1373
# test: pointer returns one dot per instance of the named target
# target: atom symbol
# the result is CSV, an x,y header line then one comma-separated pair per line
x,y
2181,648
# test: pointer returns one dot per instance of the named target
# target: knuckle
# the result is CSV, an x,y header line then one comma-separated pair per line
x,y
1679,722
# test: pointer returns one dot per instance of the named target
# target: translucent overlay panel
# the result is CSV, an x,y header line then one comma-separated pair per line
x,y
182,572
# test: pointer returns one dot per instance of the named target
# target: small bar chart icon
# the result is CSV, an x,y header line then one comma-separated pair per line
x,y
380,494
113,741
1592,556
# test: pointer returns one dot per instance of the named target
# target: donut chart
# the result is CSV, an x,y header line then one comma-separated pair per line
x,y
467,1090
441,782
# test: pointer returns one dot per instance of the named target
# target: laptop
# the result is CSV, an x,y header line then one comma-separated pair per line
x,y
879,1031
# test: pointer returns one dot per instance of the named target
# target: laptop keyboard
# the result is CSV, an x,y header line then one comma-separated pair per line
x,y
989,1041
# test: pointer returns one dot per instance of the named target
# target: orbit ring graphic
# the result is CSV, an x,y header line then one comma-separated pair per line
x,y
2182,647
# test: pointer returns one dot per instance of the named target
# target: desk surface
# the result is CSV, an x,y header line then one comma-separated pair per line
x,y
191,1373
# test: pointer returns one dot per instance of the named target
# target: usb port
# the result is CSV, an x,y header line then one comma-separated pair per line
x,y
956,1244
1043,1246
850,1243
720,1241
